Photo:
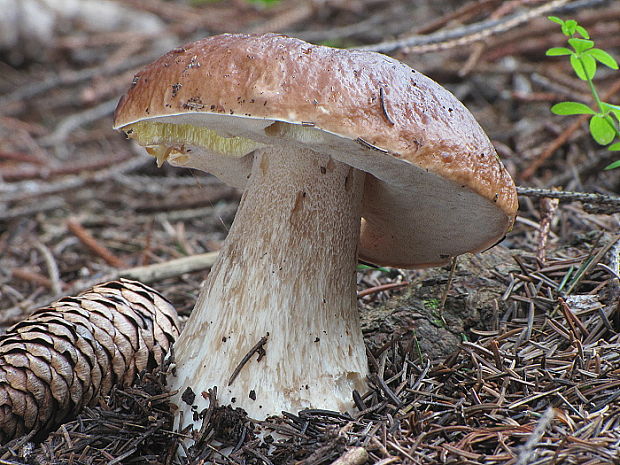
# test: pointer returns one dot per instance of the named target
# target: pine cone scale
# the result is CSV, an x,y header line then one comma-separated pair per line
x,y
68,354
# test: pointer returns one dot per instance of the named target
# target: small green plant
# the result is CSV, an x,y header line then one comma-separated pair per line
x,y
417,347
431,304
200,3
363,267
584,57
264,2
438,320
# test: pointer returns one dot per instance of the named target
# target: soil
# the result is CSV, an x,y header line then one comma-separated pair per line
x,y
474,301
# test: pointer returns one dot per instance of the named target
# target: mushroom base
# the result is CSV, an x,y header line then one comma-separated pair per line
x,y
283,291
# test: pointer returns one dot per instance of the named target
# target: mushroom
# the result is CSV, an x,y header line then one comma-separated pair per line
x,y
341,154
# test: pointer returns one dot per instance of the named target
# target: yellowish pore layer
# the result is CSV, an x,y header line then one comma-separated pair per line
x,y
163,140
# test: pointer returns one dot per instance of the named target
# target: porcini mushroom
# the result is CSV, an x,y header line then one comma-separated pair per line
x,y
342,154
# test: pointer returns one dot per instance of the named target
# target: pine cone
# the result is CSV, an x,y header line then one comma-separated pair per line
x,y
65,356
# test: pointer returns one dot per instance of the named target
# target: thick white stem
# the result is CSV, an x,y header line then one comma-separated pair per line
x,y
286,273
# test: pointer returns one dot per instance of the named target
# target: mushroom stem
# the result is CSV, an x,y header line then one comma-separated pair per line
x,y
286,277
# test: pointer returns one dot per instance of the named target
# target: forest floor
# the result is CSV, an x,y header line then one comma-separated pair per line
x,y
511,356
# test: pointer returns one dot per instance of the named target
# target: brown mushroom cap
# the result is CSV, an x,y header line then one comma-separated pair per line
x,y
435,187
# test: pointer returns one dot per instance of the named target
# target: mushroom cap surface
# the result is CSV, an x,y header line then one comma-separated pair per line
x,y
435,187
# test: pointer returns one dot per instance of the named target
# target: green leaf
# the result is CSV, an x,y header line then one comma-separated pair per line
x,y
555,19
581,45
603,57
575,62
613,109
601,130
614,147
558,51
616,113
584,66
569,26
613,165
572,108
362,267
582,32
590,65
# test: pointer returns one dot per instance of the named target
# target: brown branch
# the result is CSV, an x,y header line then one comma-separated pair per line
x,y
548,208
381,288
145,274
31,276
170,269
354,456
286,19
72,78
51,203
91,243
17,191
208,198
468,34
461,14
609,202
17,124
218,19
20,157
48,172
257,348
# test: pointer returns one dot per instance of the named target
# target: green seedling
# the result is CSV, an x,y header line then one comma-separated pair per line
x,y
438,319
363,266
417,347
438,322
431,304
584,59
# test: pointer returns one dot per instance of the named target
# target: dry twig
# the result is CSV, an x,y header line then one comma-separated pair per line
x,y
91,243
471,33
